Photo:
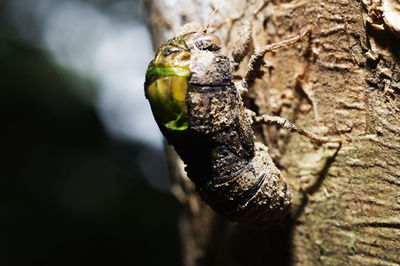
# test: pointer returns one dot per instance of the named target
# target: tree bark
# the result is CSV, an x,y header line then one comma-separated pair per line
x,y
342,82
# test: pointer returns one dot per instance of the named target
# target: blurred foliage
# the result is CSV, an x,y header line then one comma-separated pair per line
x,y
69,195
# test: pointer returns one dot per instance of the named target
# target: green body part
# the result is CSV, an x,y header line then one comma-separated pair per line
x,y
166,83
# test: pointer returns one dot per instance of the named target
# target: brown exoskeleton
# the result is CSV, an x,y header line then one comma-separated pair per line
x,y
199,110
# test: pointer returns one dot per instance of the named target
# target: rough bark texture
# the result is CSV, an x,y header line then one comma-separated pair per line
x,y
344,82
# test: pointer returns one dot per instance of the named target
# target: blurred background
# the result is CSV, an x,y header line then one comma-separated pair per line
x,y
83,177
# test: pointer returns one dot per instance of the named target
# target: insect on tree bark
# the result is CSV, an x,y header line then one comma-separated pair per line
x,y
199,110
344,81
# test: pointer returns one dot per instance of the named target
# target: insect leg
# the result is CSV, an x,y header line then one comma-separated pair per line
x,y
241,48
257,59
283,123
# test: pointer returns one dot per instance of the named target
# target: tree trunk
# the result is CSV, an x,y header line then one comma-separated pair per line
x,y
343,82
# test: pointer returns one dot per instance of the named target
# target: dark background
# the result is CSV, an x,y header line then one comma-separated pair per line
x,y
70,194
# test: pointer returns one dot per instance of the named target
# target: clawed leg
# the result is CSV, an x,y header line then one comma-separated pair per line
x,y
254,71
283,123
257,59
241,48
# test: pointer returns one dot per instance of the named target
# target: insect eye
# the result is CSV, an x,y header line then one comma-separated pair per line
x,y
170,50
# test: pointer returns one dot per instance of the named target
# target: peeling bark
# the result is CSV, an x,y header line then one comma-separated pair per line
x,y
343,82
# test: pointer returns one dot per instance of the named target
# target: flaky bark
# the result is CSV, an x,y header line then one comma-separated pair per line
x,y
343,82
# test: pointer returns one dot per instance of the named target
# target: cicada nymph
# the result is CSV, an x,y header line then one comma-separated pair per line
x,y
199,110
